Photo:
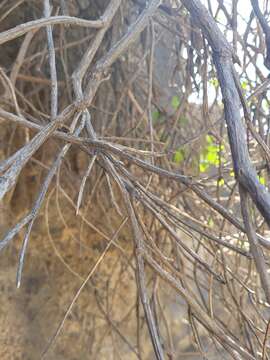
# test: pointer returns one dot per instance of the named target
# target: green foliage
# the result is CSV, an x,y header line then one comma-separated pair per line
x,y
262,180
175,102
157,117
214,81
210,222
210,156
221,182
244,84
203,166
179,156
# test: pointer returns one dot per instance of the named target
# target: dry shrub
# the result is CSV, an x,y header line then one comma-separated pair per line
x,y
117,190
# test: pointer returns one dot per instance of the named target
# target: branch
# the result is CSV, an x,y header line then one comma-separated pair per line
x,y
22,29
254,245
100,145
266,30
222,56
53,72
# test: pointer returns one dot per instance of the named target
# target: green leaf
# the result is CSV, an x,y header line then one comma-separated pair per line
x,y
221,182
155,115
262,180
175,102
212,158
203,167
210,139
210,155
244,84
214,82
179,156
213,148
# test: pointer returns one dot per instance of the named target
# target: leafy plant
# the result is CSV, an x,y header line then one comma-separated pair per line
x,y
210,155
262,180
179,156
214,81
175,102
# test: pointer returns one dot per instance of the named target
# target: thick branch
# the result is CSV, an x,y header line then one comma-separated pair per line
x,y
266,30
223,55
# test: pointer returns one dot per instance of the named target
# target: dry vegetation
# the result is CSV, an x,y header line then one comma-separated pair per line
x,y
134,179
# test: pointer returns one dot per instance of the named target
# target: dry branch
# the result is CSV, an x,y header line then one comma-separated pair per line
x,y
85,112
